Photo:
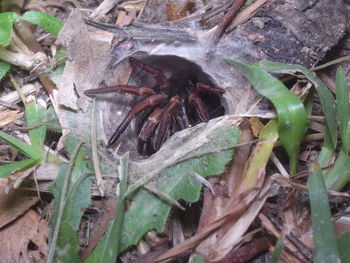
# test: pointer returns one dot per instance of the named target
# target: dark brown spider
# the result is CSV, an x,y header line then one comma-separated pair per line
x,y
173,106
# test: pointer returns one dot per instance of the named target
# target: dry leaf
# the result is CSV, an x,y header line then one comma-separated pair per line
x,y
179,9
18,239
134,5
8,116
14,204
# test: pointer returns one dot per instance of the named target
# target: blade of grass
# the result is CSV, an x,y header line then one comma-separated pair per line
x,y
107,249
325,242
62,203
326,97
292,119
95,160
344,248
8,169
343,109
260,156
277,252
24,148
35,115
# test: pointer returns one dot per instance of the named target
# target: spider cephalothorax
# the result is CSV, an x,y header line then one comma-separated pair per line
x,y
174,104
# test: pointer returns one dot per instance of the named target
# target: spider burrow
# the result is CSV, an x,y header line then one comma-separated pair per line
x,y
173,107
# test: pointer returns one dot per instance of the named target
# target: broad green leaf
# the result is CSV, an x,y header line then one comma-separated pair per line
x,y
326,97
6,21
325,242
344,248
72,192
107,249
292,119
8,169
343,109
24,148
49,23
35,114
4,68
179,181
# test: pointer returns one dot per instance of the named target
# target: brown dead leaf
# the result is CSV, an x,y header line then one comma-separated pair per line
x,y
18,239
179,9
8,116
14,204
133,5
233,212
87,63
256,125
124,18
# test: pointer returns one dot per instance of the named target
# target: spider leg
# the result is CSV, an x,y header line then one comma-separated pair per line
x,y
163,128
195,101
139,107
147,129
200,86
139,91
156,73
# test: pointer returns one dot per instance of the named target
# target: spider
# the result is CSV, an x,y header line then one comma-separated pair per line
x,y
172,105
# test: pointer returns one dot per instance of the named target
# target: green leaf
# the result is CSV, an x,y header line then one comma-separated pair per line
x,y
72,191
8,169
107,249
325,242
179,181
277,252
344,248
6,21
24,148
259,157
326,97
339,175
343,109
4,68
35,114
49,23
292,119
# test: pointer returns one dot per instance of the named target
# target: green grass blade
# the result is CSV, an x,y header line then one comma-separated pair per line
x,y
277,252
325,242
24,148
291,113
344,248
339,175
4,68
6,21
49,23
72,191
107,249
343,109
326,97
35,114
8,169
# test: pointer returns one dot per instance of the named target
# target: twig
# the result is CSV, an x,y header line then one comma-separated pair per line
x,y
226,20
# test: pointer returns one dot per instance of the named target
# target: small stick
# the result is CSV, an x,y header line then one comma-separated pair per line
x,y
226,20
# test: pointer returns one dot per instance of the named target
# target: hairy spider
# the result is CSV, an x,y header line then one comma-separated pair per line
x,y
174,104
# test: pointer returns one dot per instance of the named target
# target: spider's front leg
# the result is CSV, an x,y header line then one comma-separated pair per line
x,y
156,129
134,111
